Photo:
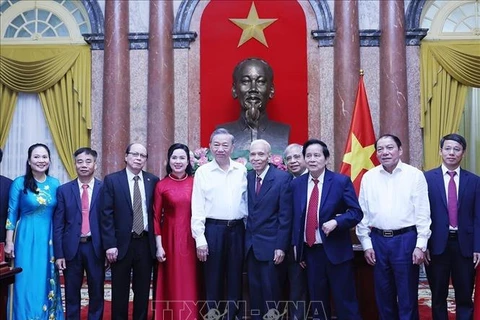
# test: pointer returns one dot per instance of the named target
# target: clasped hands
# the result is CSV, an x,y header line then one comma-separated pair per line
x,y
112,255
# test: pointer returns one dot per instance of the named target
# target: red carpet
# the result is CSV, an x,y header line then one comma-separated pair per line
x,y
423,301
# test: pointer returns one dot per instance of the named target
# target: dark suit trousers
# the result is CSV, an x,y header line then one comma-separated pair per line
x,y
451,263
325,278
84,260
138,259
297,283
224,266
264,281
396,276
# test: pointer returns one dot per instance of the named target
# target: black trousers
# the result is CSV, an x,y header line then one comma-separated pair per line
x,y
224,267
139,260
451,263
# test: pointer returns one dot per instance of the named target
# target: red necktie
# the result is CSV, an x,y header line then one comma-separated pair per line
x,y
85,210
452,200
259,185
312,220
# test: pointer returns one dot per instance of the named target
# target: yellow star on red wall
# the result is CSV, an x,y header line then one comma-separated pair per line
x,y
359,157
253,27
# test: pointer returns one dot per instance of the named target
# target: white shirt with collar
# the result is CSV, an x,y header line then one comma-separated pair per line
x,y
217,194
310,185
90,184
261,176
141,185
394,201
446,181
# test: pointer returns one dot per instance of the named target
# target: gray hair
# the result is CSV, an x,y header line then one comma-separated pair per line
x,y
292,146
220,131
264,142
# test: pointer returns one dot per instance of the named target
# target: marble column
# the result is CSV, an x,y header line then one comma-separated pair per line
x,y
116,87
346,72
393,73
160,126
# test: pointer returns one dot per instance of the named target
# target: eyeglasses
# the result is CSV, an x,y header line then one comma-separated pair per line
x,y
136,154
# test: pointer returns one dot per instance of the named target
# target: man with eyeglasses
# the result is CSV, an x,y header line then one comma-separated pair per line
x,y
127,232
297,278
454,247
395,229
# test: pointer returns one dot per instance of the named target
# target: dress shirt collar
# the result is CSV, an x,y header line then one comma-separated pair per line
x,y
233,165
91,183
264,173
130,175
320,178
445,170
399,167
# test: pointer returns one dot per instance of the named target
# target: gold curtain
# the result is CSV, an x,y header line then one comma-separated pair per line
x,y
447,69
61,75
8,100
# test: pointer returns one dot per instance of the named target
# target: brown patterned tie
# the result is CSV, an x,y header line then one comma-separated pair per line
x,y
137,208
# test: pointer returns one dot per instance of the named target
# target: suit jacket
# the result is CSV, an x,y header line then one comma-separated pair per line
x,y
4,195
269,214
338,201
117,213
67,220
468,212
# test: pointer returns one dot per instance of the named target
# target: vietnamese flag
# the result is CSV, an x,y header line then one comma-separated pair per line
x,y
275,31
359,155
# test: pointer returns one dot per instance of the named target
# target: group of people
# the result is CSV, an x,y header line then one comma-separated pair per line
x,y
197,235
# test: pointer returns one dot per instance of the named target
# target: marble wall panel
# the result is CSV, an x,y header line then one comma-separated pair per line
x,y
97,106
138,96
413,83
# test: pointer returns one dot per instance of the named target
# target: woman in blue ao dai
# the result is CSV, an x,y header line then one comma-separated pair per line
x,y
36,291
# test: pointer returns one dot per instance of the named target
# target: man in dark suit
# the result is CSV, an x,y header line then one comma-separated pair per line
x,y
297,276
325,208
268,233
4,190
454,246
76,236
127,232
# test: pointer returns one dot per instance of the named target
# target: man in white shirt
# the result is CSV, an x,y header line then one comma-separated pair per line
x,y
219,207
395,229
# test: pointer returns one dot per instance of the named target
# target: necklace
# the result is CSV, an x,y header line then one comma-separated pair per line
x,y
178,179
